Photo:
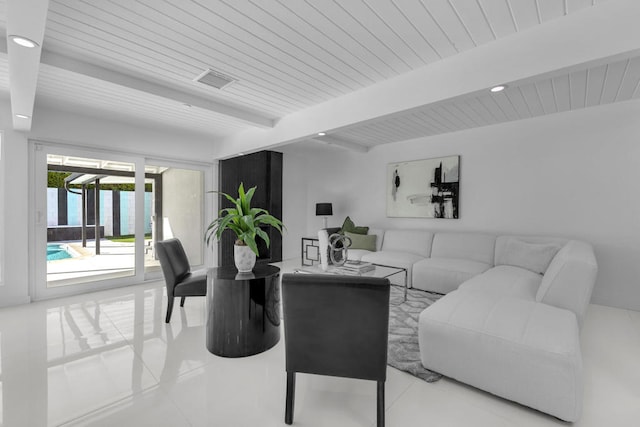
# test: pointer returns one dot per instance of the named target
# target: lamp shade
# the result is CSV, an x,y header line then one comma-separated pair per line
x,y
324,209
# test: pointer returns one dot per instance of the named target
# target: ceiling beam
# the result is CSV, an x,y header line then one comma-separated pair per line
x,y
94,71
341,143
25,18
557,44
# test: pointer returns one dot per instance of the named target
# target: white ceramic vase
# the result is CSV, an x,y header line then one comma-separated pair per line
x,y
244,258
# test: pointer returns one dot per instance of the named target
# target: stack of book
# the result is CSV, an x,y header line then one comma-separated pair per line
x,y
356,267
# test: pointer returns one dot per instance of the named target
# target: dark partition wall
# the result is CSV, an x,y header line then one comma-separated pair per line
x,y
264,170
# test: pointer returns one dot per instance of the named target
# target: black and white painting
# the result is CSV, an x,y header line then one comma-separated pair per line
x,y
424,188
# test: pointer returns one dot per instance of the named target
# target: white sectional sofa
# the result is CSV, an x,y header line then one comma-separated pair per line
x,y
511,317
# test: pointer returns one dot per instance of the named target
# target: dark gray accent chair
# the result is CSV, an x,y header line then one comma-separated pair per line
x,y
338,326
180,281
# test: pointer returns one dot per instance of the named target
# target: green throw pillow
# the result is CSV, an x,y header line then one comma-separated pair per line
x,y
362,241
349,226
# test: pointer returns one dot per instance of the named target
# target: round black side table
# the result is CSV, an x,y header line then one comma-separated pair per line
x,y
243,310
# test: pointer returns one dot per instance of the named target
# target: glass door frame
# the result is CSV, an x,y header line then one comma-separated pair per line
x,y
38,150
209,203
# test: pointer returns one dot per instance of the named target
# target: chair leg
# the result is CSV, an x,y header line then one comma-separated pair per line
x,y
291,395
182,301
169,309
380,403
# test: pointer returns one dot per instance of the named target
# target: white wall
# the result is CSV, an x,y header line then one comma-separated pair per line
x,y
59,126
14,236
573,174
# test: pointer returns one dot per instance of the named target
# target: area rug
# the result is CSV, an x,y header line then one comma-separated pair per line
x,y
404,353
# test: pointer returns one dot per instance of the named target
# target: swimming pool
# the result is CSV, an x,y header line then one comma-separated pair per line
x,y
56,251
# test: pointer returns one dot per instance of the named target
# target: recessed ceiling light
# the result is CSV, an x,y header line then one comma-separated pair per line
x,y
22,116
321,133
499,88
185,105
240,154
23,41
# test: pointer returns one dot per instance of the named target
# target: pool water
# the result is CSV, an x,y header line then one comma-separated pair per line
x,y
56,251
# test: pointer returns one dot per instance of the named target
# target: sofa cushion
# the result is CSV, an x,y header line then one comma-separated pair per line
x,y
404,260
471,246
503,241
444,275
507,281
532,256
362,241
569,280
349,226
417,242
521,350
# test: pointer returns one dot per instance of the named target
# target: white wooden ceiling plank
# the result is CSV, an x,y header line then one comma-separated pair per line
x,y
340,36
365,133
249,30
412,121
547,97
425,115
481,111
249,93
614,78
379,26
578,88
235,41
525,13
428,28
453,109
252,20
396,132
354,136
446,118
322,46
471,110
422,121
360,37
473,18
562,92
361,132
381,130
152,38
227,53
499,17
631,80
494,109
595,85
516,99
505,105
396,18
551,9
448,21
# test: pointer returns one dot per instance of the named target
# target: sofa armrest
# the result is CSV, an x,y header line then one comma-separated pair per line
x,y
569,280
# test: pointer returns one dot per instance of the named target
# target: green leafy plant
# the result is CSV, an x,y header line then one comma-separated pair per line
x,y
243,220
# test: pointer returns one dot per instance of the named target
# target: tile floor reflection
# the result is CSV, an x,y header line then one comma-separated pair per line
x,y
108,359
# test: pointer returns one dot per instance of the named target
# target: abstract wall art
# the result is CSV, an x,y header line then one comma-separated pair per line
x,y
427,188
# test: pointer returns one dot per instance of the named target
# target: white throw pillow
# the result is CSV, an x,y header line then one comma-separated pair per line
x,y
535,257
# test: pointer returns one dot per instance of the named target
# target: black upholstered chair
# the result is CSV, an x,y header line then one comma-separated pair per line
x,y
180,281
338,326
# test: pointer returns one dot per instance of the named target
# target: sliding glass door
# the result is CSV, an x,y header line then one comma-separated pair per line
x,y
97,216
177,209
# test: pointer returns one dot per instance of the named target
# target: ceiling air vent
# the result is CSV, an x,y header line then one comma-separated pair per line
x,y
214,79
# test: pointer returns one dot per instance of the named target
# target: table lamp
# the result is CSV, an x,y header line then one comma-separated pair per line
x,y
324,210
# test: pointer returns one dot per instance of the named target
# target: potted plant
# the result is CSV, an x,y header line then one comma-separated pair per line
x,y
245,222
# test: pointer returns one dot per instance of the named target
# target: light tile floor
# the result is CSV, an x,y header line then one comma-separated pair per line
x,y
108,359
